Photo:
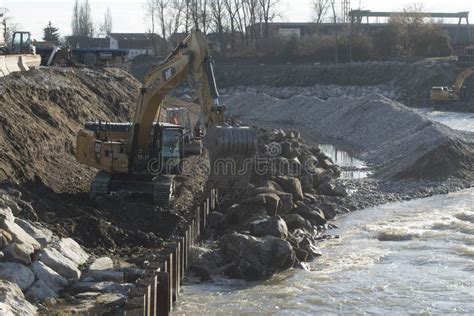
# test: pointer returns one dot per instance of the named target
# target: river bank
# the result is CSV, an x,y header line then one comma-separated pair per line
x,y
410,257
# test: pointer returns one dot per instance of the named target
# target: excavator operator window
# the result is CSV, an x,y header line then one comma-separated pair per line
x,y
172,150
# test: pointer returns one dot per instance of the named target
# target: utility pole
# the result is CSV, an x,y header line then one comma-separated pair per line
x,y
345,9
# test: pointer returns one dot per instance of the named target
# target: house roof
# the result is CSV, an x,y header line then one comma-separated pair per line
x,y
136,40
87,42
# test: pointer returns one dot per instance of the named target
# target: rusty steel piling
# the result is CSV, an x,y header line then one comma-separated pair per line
x,y
157,290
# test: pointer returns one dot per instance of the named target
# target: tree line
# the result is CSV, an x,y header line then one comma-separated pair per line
x,y
227,19
82,23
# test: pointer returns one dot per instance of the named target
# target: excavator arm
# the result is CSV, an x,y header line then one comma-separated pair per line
x,y
459,83
190,60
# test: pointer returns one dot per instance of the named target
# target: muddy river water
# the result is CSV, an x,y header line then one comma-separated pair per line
x,y
414,257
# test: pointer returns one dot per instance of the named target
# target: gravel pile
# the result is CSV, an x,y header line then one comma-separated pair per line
x,y
396,140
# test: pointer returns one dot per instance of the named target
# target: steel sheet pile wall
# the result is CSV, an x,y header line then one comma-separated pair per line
x,y
158,288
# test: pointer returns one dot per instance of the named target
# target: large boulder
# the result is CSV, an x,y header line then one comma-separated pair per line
x,y
290,149
48,276
7,202
314,215
328,209
41,234
295,221
18,252
69,248
59,263
17,273
270,201
6,214
39,291
257,258
272,226
327,189
102,263
12,300
320,176
240,214
291,185
18,234
5,238
286,200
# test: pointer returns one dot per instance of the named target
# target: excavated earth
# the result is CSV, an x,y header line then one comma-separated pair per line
x,y
41,112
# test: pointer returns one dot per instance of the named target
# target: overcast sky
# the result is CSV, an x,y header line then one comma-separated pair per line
x,y
129,15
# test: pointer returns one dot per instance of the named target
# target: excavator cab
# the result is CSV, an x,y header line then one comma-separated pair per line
x,y
171,152
21,43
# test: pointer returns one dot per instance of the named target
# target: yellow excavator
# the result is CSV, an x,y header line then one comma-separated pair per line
x,y
143,156
455,93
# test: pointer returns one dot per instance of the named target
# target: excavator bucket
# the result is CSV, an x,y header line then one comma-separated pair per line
x,y
232,153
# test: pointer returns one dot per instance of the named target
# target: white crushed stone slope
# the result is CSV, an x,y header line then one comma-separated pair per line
x,y
393,137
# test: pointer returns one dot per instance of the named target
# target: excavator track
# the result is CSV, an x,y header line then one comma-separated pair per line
x,y
163,189
100,184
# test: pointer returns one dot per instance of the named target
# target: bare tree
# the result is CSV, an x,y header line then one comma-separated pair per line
x,y
268,12
241,18
151,10
161,6
253,9
10,26
336,35
86,25
232,7
320,9
81,23
187,15
218,16
75,23
106,26
176,13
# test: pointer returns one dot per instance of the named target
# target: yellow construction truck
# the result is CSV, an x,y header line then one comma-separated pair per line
x,y
20,55
457,92
145,155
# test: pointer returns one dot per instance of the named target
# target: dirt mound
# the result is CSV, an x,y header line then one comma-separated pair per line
x,y
41,113
42,110
398,141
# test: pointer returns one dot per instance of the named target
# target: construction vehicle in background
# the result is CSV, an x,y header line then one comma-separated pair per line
x,y
91,57
20,55
457,92
192,133
144,156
